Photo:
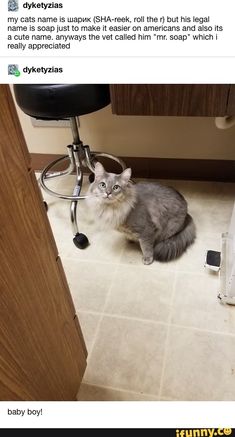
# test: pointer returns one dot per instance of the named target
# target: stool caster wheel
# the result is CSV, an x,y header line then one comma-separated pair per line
x,y
80,241
91,178
46,206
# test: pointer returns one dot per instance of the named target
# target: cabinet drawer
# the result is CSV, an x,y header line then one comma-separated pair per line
x,y
170,100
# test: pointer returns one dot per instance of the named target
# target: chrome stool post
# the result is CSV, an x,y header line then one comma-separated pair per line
x,y
80,240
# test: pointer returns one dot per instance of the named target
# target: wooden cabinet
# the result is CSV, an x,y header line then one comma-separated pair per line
x,y
42,351
173,100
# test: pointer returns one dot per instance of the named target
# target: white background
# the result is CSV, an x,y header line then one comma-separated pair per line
x,y
121,414
121,62
221,13
188,64
124,70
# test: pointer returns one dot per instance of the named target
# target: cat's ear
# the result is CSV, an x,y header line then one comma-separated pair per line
x,y
126,175
99,170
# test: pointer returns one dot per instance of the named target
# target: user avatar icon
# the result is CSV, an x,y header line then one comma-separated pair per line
x,y
13,70
13,5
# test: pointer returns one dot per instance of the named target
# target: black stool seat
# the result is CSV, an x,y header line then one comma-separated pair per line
x,y
61,101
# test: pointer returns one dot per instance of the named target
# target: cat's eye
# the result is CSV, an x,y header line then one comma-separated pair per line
x,y
116,187
102,185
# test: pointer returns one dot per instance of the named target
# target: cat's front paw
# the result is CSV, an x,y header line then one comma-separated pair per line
x,y
147,260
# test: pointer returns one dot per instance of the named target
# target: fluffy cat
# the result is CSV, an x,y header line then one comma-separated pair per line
x,y
154,215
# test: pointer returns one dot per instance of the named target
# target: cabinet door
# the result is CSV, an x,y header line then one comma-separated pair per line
x,y
231,101
167,100
42,351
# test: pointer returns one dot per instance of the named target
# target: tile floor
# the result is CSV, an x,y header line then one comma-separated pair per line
x,y
153,332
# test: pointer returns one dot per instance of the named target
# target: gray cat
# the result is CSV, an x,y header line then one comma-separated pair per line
x,y
152,214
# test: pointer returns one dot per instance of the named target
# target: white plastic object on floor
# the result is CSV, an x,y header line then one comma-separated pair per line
x,y
227,270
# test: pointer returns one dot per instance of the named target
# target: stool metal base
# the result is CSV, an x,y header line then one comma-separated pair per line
x,y
78,156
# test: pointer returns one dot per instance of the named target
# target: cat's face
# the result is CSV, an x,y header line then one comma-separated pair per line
x,y
110,187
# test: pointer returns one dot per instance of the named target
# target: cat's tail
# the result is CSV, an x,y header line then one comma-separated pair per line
x,y
174,246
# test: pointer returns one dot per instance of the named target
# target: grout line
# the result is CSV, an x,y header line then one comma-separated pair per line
x,y
135,319
119,389
205,273
205,331
140,266
113,279
121,263
167,336
93,313
120,316
92,260
153,267
95,336
102,314
158,322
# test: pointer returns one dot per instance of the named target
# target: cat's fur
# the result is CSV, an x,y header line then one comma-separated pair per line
x,y
154,215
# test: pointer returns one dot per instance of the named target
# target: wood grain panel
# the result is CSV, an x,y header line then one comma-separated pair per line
x,y
38,340
171,100
11,131
42,353
42,216
231,101
70,302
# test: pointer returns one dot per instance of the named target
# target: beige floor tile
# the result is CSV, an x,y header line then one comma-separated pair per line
x,y
126,360
132,255
89,283
104,246
95,393
64,185
59,217
202,191
89,323
200,366
60,209
127,355
62,232
211,216
196,303
142,293
193,260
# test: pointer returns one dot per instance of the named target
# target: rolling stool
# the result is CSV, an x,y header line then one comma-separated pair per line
x,y
57,102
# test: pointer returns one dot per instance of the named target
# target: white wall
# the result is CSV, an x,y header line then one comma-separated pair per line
x,y
164,137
